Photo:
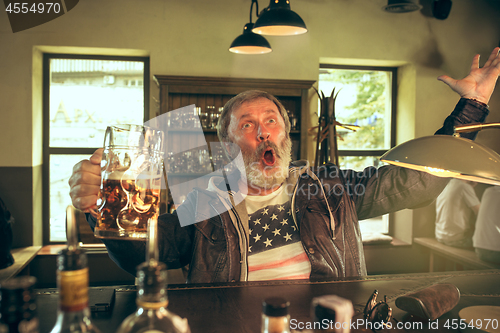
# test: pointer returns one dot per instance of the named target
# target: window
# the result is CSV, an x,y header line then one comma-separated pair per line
x,y
366,98
82,96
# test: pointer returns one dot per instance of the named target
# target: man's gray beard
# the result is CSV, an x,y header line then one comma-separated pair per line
x,y
279,173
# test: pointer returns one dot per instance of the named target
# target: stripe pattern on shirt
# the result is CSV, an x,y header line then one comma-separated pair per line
x,y
275,249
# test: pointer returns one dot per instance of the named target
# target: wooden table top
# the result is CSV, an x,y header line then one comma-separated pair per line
x,y
236,307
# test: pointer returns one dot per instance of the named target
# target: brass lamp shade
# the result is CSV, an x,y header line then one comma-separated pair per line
x,y
279,20
447,156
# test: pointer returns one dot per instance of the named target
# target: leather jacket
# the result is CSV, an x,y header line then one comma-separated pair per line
x,y
327,201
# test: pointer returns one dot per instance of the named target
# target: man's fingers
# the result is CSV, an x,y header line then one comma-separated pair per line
x,y
85,203
96,156
84,178
475,62
446,79
85,175
83,190
495,55
84,196
93,211
85,182
87,166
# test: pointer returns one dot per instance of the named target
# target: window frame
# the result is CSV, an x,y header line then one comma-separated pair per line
x,y
393,118
47,151
394,90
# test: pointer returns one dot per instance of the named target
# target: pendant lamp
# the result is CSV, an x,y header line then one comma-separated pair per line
x,y
249,42
449,156
279,20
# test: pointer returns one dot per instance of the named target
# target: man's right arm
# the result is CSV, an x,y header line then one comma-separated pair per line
x,y
174,241
174,245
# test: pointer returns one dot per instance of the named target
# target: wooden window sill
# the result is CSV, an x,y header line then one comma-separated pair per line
x,y
53,250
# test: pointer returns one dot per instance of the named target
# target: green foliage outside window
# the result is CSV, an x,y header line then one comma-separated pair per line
x,y
364,100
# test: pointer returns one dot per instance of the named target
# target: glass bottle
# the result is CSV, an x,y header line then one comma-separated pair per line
x,y
275,317
18,306
73,313
152,315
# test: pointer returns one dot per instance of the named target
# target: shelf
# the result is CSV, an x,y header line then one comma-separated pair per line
x,y
193,175
213,93
193,130
207,130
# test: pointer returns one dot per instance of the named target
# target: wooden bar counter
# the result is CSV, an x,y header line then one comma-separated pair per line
x,y
236,307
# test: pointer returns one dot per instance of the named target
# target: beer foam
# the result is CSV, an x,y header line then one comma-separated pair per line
x,y
146,175
118,175
114,175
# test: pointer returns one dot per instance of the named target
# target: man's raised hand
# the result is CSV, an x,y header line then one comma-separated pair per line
x,y
480,82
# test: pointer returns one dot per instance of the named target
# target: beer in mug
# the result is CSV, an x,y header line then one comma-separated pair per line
x,y
130,182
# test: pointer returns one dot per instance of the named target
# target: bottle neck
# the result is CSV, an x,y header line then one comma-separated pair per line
x,y
152,287
152,296
73,290
275,324
151,305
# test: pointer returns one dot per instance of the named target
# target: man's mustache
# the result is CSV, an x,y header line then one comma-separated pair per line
x,y
262,147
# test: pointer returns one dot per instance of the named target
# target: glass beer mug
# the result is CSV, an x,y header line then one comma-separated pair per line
x,y
131,170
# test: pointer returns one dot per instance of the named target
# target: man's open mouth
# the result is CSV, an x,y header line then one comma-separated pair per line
x,y
269,157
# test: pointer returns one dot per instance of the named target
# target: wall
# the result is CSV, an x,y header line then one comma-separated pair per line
x,y
192,37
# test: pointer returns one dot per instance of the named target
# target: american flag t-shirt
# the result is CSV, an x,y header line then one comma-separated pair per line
x,y
275,251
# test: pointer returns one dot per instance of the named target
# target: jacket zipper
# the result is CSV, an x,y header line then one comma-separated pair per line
x,y
332,221
243,242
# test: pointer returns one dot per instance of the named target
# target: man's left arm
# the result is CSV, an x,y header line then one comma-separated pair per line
x,y
391,188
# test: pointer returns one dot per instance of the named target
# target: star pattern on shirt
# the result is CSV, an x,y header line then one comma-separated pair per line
x,y
271,227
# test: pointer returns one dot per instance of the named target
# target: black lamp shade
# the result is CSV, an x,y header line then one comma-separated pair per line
x,y
279,20
441,9
249,42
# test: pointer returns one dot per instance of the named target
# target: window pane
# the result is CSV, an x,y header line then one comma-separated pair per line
x,y
376,225
364,99
61,167
88,95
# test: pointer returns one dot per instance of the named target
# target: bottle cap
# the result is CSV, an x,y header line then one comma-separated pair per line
x,y
275,307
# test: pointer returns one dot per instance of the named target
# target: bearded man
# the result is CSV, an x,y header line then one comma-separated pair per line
x,y
282,220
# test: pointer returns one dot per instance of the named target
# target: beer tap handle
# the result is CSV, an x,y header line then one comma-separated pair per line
x,y
152,241
71,233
